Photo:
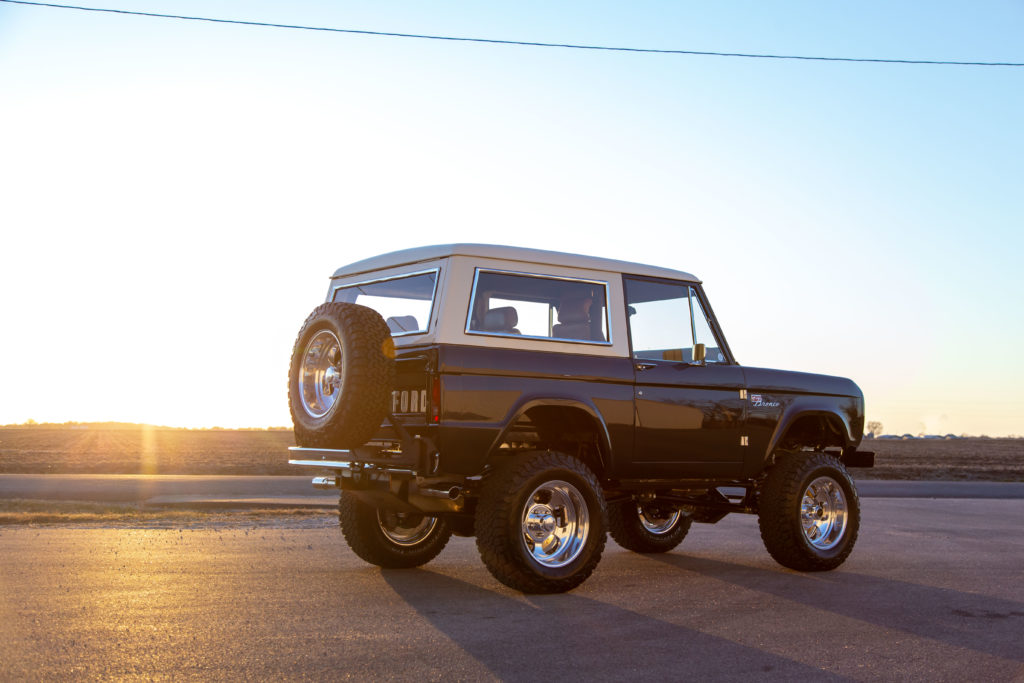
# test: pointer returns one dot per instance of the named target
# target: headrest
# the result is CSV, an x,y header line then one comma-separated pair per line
x,y
504,318
403,323
574,309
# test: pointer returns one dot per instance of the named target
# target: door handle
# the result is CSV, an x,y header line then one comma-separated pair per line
x,y
644,366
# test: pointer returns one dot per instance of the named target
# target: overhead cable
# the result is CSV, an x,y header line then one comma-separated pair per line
x,y
526,43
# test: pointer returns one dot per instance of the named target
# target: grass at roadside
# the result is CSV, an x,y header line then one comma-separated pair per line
x,y
35,512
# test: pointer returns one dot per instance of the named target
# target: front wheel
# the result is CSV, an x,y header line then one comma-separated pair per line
x,y
394,540
540,524
648,527
809,513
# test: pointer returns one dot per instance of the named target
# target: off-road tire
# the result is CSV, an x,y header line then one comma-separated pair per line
x,y
628,530
364,374
781,513
361,526
505,496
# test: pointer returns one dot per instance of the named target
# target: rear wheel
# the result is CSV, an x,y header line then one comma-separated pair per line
x,y
647,528
540,525
809,513
395,540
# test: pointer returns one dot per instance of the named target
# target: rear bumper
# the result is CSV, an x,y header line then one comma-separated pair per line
x,y
336,457
383,480
420,457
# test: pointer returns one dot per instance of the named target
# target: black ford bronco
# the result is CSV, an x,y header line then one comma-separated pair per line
x,y
539,400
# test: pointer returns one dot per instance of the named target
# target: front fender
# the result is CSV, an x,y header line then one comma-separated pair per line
x,y
843,414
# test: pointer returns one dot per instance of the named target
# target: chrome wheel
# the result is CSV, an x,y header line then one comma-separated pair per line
x,y
320,373
555,522
405,529
656,521
823,513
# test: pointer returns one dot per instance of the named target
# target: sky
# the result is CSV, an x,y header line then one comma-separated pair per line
x,y
175,195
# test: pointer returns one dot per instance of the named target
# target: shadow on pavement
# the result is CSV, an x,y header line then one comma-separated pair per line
x,y
986,624
575,638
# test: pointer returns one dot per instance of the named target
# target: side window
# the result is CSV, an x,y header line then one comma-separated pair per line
x,y
538,306
666,321
405,302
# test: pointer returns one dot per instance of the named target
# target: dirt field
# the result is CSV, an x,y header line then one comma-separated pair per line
x,y
949,460
143,450
154,450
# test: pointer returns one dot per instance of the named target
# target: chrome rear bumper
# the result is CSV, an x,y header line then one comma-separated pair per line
x,y
386,482
340,458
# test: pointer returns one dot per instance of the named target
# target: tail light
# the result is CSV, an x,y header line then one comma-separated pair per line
x,y
434,414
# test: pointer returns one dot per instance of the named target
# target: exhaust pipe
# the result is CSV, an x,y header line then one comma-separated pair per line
x,y
451,494
324,483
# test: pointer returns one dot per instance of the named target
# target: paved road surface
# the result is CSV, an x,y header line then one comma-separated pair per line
x,y
296,490
932,592
164,489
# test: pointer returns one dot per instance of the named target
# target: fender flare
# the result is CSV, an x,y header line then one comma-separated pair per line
x,y
522,407
810,406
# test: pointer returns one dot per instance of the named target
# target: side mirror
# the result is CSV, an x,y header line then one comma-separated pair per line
x,y
699,353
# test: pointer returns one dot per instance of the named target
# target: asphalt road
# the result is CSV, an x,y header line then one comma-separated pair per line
x,y
211,491
164,489
933,591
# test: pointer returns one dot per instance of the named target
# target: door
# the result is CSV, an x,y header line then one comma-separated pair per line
x,y
689,414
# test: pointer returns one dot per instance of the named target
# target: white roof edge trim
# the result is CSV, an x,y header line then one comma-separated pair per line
x,y
521,254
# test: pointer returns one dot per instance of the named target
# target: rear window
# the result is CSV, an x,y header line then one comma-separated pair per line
x,y
539,307
406,302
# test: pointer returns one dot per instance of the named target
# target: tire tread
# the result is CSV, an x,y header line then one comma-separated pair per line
x,y
778,518
496,539
625,527
369,378
361,530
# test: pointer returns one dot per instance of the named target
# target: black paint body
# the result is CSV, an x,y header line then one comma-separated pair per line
x,y
656,420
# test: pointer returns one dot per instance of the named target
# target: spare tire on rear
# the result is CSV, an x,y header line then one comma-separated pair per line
x,y
341,376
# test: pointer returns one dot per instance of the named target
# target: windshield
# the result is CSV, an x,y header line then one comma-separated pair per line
x,y
405,302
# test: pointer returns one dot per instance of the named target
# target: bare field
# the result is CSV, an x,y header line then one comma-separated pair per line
x,y
156,450
947,460
143,450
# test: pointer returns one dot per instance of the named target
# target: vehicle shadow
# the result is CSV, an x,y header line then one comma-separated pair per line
x,y
571,637
983,623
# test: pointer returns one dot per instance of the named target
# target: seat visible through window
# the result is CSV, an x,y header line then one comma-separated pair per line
x,y
502,320
573,318
402,323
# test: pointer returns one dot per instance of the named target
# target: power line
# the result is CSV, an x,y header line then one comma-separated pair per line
x,y
526,43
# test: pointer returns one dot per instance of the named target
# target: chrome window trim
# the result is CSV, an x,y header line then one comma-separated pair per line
x,y
433,295
712,327
542,276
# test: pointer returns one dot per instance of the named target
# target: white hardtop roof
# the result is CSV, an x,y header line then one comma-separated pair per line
x,y
491,251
